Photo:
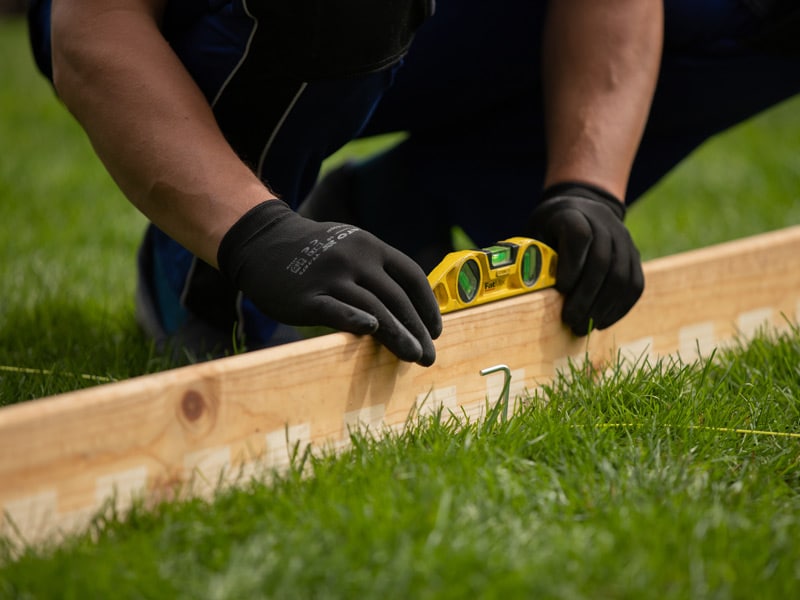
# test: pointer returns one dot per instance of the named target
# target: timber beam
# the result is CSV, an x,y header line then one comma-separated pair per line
x,y
62,457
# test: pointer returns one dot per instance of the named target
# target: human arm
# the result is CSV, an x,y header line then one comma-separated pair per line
x,y
601,61
600,65
153,129
148,121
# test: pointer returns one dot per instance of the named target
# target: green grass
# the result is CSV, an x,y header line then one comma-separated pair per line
x,y
67,239
618,487
627,484
743,182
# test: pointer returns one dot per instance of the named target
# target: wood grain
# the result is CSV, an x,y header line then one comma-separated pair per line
x,y
177,431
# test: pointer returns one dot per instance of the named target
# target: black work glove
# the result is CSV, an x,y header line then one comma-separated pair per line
x,y
301,272
599,269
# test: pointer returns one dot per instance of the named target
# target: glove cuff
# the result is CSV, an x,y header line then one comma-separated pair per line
x,y
587,191
230,255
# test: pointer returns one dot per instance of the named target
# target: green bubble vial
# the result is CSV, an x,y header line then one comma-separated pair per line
x,y
531,265
468,280
498,256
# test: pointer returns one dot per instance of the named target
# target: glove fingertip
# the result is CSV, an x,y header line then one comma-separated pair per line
x,y
428,355
369,324
578,322
404,346
435,328
581,329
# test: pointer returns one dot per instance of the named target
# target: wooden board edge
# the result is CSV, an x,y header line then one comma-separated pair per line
x,y
62,457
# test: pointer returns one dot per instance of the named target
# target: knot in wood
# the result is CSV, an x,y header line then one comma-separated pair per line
x,y
193,405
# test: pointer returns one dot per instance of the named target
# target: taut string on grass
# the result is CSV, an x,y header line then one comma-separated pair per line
x,y
787,434
51,373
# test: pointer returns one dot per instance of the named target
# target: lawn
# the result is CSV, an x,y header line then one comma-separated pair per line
x,y
628,484
67,239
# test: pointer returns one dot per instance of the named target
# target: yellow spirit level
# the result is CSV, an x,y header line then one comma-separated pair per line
x,y
511,267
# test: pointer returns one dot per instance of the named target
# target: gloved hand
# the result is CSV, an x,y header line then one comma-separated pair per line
x,y
301,272
599,269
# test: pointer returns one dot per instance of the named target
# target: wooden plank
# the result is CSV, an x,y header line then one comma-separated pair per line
x,y
61,457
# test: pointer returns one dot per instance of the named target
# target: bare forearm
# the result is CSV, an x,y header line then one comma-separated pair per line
x,y
601,60
148,121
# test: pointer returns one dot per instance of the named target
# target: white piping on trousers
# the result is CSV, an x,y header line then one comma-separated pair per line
x,y
242,59
231,75
272,137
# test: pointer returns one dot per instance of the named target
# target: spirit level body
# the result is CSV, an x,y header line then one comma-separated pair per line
x,y
472,277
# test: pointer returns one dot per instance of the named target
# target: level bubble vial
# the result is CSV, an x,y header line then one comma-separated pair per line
x,y
468,279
